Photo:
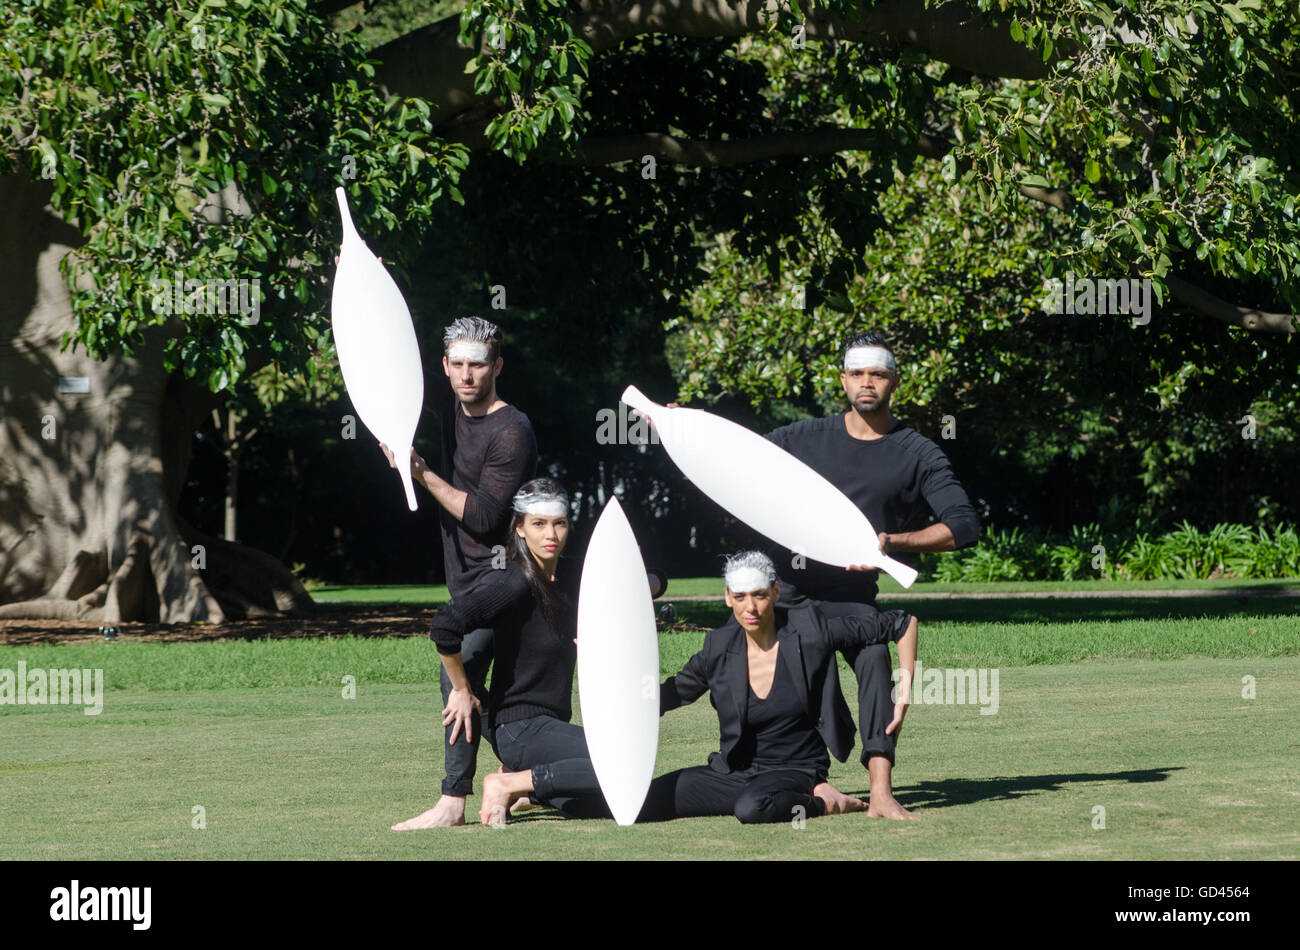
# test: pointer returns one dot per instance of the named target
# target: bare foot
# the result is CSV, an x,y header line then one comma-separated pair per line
x,y
837,803
886,806
449,811
497,800
523,804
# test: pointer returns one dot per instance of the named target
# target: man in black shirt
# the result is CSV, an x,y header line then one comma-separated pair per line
x,y
905,486
488,451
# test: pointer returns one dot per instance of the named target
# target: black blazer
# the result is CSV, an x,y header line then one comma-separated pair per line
x,y
808,642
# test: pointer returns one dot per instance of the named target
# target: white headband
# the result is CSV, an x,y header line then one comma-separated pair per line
x,y
472,352
550,506
870,357
742,580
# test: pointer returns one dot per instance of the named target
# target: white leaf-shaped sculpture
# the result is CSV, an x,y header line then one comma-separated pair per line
x,y
618,665
767,488
376,346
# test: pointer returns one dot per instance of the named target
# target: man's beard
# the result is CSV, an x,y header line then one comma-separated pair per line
x,y
480,394
881,403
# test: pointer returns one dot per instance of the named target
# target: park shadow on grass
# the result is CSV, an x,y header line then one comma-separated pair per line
x,y
377,619
1116,609
928,796
962,791
709,614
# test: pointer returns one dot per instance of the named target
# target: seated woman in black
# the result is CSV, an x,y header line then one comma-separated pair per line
x,y
772,676
529,703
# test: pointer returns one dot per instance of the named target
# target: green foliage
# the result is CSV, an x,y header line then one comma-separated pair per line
x,y
1171,172
1168,122
299,570
1173,136
1275,556
1186,553
140,114
528,56
1175,160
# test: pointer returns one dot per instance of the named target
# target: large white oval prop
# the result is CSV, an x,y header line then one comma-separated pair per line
x,y
767,488
618,665
376,345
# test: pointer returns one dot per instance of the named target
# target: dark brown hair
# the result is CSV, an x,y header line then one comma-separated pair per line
x,y
557,615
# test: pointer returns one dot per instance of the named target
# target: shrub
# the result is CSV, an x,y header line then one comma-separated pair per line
x,y
1185,553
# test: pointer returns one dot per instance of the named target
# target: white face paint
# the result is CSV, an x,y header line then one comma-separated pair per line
x,y
870,357
743,580
470,352
546,505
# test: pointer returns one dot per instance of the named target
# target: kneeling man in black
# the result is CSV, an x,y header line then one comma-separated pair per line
x,y
772,676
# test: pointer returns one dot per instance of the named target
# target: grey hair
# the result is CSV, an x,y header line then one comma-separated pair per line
x,y
539,489
755,559
474,330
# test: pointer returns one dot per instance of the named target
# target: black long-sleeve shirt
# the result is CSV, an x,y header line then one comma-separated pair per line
x,y
532,672
487,457
899,481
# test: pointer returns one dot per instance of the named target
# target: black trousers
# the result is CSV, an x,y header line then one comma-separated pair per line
x,y
874,672
460,760
556,753
563,778
756,795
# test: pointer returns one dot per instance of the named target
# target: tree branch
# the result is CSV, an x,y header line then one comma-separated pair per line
x,y
430,62
1058,198
1248,318
1194,298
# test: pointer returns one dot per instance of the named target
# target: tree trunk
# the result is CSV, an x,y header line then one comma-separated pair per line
x,y
90,480
234,448
232,495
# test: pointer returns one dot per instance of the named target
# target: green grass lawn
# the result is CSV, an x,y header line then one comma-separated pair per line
x,y
890,586
712,586
1142,717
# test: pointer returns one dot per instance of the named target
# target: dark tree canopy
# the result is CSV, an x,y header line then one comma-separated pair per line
x,y
703,197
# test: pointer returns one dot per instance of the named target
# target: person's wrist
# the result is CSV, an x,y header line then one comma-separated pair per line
x,y
905,687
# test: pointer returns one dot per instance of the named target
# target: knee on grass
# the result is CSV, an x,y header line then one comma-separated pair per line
x,y
756,809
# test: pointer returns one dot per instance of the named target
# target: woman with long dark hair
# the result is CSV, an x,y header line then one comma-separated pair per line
x,y
532,614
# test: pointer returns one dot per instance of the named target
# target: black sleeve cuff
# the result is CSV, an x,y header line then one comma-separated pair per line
x,y
447,641
445,648
897,622
965,528
669,698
